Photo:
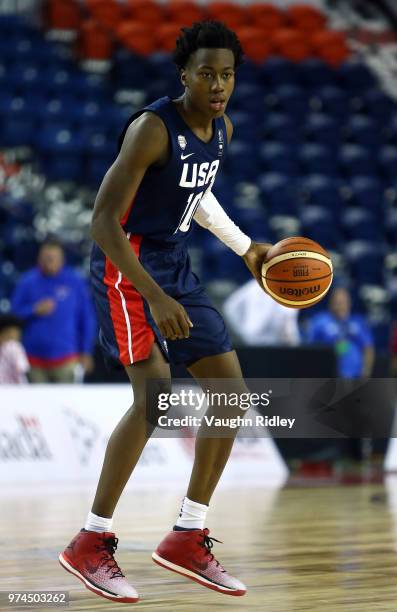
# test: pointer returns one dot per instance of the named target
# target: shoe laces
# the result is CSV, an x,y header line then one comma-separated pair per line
x,y
208,543
108,547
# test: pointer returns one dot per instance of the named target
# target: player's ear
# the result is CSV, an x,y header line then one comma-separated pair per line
x,y
183,77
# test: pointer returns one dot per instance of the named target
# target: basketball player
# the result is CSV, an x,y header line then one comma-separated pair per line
x,y
151,306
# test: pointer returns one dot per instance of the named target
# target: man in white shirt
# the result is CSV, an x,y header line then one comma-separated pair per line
x,y
258,319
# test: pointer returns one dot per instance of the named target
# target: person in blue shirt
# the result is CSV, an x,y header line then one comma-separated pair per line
x,y
60,324
347,332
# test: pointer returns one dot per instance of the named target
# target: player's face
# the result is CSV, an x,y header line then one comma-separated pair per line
x,y
51,260
209,80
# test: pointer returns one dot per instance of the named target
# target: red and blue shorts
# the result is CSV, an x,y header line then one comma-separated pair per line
x,y
127,328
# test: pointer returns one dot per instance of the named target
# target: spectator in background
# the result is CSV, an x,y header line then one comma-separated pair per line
x,y
14,363
258,319
60,329
348,333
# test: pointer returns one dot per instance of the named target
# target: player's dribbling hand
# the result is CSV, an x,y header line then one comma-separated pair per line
x,y
170,317
254,259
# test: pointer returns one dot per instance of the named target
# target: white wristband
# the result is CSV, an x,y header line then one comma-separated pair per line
x,y
211,215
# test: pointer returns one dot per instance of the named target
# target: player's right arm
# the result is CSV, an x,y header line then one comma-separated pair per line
x,y
145,144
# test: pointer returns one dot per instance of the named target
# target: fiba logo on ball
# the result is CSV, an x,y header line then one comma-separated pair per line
x,y
182,142
300,271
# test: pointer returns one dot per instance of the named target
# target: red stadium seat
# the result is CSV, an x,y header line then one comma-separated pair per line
x,y
145,11
183,12
95,42
165,36
256,46
330,47
305,17
137,37
291,44
233,15
64,15
109,13
265,16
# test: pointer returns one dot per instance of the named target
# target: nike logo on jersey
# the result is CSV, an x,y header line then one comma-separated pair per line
x,y
186,156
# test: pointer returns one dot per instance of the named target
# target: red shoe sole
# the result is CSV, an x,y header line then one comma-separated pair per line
x,y
196,577
72,570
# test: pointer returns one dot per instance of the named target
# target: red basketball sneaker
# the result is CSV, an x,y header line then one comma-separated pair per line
x,y
189,553
90,557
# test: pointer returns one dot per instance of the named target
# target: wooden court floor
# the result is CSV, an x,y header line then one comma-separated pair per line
x,y
297,549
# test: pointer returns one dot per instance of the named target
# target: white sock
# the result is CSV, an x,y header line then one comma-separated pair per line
x,y
98,523
192,515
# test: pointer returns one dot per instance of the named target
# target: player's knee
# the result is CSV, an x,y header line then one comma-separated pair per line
x,y
149,403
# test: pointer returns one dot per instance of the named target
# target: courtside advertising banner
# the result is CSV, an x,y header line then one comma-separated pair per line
x,y
59,434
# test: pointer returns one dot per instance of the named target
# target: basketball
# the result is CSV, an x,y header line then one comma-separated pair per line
x,y
297,272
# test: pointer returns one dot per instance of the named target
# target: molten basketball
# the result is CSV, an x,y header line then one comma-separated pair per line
x,y
297,272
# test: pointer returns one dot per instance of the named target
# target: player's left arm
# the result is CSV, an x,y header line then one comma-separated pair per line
x,y
212,216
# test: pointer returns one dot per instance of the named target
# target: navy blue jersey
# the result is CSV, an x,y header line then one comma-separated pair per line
x,y
157,225
168,197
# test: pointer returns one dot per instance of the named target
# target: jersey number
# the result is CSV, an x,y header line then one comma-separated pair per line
x,y
188,214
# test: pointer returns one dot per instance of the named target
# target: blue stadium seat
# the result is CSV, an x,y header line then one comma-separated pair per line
x,y
314,73
317,223
366,261
245,126
378,105
248,72
322,190
278,157
390,221
317,159
356,77
249,98
241,163
55,111
17,124
362,130
252,220
132,71
331,100
388,162
162,71
356,160
323,129
8,277
281,127
290,99
61,153
278,193
277,71
361,224
367,192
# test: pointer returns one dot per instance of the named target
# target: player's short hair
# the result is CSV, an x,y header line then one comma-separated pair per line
x,y
8,320
206,35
